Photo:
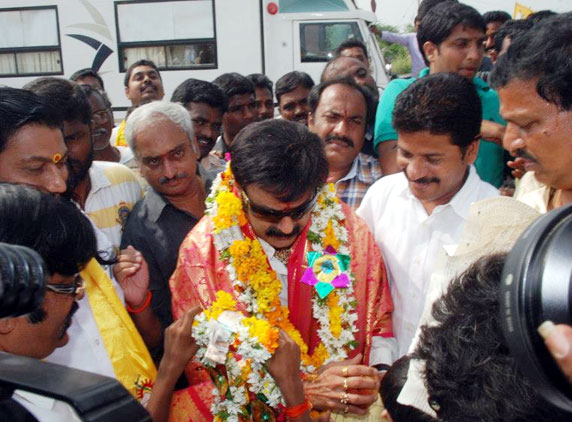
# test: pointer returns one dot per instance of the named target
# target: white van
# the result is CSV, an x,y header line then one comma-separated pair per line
x,y
186,38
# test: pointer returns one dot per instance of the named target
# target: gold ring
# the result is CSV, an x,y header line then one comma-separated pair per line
x,y
345,384
344,399
345,371
346,408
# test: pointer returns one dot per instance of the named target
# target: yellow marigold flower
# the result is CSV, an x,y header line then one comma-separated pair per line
x,y
319,356
267,335
331,187
224,302
330,238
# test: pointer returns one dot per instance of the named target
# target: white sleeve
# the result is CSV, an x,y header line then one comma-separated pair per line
x,y
383,350
394,38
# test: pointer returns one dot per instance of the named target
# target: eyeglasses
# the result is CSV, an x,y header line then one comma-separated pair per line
x,y
75,289
274,216
100,116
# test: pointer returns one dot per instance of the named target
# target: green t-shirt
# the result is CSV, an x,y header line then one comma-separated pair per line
x,y
490,162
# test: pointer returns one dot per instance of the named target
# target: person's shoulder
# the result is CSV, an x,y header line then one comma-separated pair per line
x,y
382,191
116,173
397,85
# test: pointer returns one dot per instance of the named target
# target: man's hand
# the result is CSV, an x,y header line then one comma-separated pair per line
x,y
132,274
492,132
558,340
180,346
344,386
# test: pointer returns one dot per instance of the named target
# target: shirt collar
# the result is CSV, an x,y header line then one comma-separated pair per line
x,y
98,178
352,173
461,201
154,203
478,82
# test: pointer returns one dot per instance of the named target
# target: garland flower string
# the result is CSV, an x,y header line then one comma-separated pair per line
x,y
251,391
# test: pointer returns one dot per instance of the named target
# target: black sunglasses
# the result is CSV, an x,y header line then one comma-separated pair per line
x,y
274,216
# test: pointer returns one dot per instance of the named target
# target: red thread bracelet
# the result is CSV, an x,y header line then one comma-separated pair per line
x,y
294,412
142,307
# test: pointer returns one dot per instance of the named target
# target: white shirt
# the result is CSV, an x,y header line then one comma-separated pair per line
x,y
46,409
413,243
85,349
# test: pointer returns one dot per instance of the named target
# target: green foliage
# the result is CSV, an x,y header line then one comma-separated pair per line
x,y
395,54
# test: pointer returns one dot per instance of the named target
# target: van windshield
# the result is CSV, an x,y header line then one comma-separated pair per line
x,y
319,40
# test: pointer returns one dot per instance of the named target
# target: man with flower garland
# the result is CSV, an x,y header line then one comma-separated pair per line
x,y
276,237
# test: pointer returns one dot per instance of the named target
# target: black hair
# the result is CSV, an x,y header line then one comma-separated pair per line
x,y
232,84
543,53
511,29
142,62
83,73
496,16
89,91
19,108
292,80
440,21
350,43
390,388
427,5
470,373
197,91
316,93
51,225
64,95
541,15
261,81
441,104
281,157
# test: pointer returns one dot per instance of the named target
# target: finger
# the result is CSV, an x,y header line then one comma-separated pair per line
x,y
356,371
369,383
558,340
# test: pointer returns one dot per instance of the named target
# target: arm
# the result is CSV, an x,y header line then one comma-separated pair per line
x,y
492,132
281,365
394,38
180,347
132,274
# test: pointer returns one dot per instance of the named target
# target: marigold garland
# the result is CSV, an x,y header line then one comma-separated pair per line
x,y
258,288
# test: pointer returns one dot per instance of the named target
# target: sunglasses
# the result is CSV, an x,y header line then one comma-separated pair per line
x,y
274,216
75,289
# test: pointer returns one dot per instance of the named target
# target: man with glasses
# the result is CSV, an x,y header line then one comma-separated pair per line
x,y
106,191
274,196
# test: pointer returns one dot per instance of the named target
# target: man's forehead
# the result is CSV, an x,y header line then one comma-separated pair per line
x,y
203,109
159,149
142,70
337,94
461,31
240,99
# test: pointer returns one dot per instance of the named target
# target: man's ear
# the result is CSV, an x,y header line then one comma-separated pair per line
x,y
472,151
431,50
310,120
7,325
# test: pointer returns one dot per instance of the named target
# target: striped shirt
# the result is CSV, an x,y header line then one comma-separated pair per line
x,y
352,187
114,192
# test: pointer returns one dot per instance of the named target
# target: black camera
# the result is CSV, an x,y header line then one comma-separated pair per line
x,y
536,287
95,398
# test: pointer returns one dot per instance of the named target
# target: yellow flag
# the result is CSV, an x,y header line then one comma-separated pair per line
x,y
520,11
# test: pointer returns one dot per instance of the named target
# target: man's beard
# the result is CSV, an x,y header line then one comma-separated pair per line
x,y
78,171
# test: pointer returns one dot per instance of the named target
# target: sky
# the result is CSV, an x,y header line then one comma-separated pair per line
x,y
400,13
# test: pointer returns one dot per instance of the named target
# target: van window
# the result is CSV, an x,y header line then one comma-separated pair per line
x,y
30,42
184,39
319,40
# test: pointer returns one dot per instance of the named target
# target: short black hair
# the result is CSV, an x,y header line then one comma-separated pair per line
x,y
64,95
543,53
261,81
441,104
89,91
390,388
351,43
511,29
281,157
19,108
292,80
83,73
440,21
470,373
427,5
316,93
541,15
197,91
142,62
496,16
233,84
49,224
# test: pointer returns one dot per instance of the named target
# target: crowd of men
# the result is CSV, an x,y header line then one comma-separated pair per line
x,y
420,172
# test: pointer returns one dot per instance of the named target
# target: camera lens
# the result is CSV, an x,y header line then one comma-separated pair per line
x,y
536,287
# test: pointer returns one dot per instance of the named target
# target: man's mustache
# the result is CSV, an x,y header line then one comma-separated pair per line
x,y
523,154
423,180
343,139
165,179
274,232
